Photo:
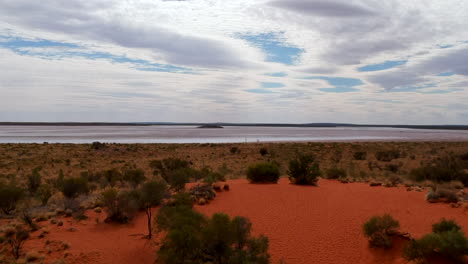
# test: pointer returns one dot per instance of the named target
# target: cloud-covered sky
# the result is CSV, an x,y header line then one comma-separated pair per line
x,y
281,61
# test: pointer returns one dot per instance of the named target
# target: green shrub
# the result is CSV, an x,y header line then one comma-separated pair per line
x,y
360,155
193,238
263,173
120,207
388,155
163,167
44,192
34,180
446,240
10,195
112,176
72,187
440,170
379,228
234,150
263,151
335,173
134,176
304,170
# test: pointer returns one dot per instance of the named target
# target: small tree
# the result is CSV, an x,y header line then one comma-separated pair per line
x,y
378,229
10,195
263,173
15,237
152,194
303,170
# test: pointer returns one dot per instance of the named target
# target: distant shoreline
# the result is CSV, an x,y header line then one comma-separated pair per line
x,y
318,125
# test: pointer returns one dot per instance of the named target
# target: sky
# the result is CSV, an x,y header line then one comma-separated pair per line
x,y
269,61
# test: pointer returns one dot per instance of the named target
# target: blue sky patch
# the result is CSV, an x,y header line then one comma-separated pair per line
x,y
275,47
381,66
445,74
277,74
267,85
259,91
71,50
342,85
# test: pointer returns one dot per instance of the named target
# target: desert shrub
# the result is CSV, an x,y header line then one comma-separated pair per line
x,y
112,176
394,180
163,167
234,150
10,195
335,173
392,167
379,228
193,238
210,176
72,187
442,195
134,176
303,170
388,155
120,207
178,178
44,192
443,169
263,173
15,236
98,145
263,151
360,155
446,240
445,226
34,180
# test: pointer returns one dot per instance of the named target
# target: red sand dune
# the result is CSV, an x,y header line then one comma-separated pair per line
x,y
324,224
304,224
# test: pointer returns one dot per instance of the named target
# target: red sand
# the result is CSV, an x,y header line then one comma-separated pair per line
x,y
324,224
304,224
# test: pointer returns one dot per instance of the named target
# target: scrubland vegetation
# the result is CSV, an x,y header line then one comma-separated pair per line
x,y
40,182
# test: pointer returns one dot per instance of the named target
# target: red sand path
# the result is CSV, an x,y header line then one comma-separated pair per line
x,y
305,224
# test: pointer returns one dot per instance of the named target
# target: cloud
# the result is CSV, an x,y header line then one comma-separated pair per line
x,y
422,71
324,8
79,19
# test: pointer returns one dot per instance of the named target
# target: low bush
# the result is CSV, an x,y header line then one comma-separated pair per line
x,y
134,176
15,236
263,151
193,238
10,195
360,155
98,145
335,173
44,192
440,170
165,166
388,155
446,240
304,170
234,150
34,180
120,206
72,187
442,195
263,173
379,229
